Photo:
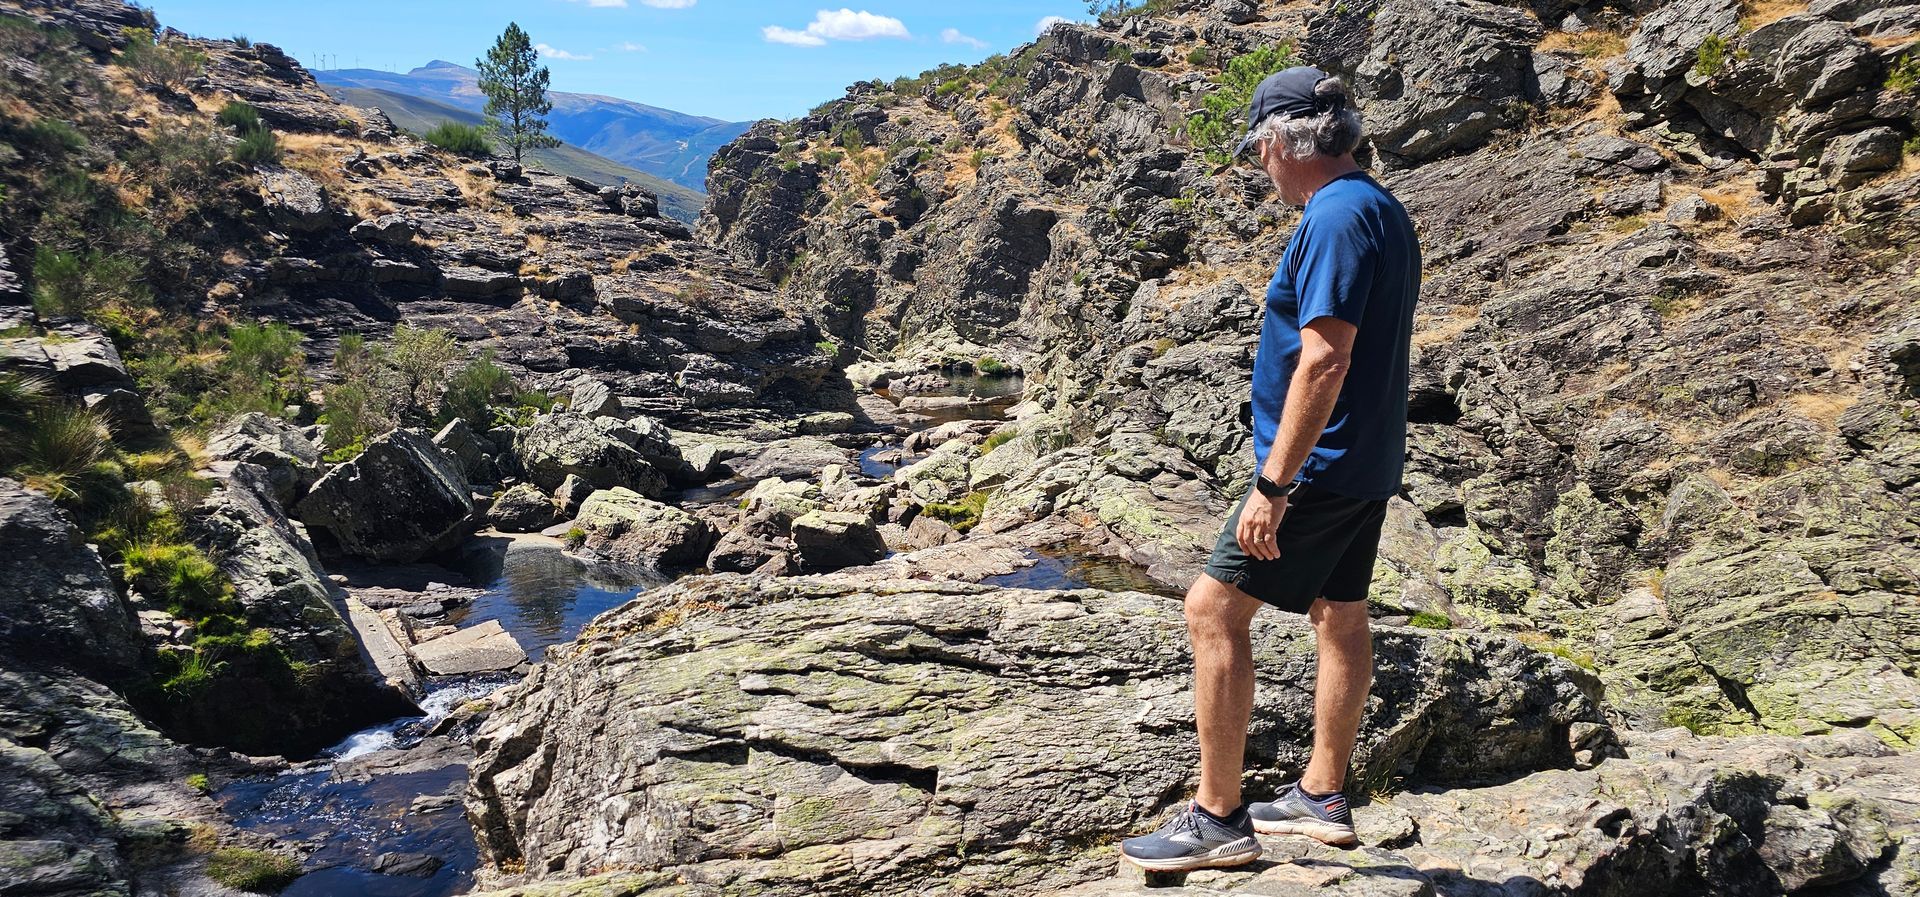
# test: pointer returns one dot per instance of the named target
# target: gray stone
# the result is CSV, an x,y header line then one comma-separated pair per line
x,y
59,605
291,460
566,444
1425,100
593,399
830,540
295,201
399,500
482,648
471,451
624,526
522,508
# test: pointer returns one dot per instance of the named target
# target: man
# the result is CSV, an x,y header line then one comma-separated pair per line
x,y
1329,427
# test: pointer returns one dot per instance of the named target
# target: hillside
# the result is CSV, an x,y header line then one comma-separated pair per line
x,y
664,143
418,115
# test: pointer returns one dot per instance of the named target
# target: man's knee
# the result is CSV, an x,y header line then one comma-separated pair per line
x,y
1217,611
1340,620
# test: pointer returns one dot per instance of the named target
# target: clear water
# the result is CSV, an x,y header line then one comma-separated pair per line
x,y
539,593
1074,566
1003,392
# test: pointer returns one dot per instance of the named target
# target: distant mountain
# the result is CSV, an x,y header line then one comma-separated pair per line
x,y
419,114
661,142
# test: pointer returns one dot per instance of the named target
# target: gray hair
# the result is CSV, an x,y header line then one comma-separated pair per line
x,y
1332,133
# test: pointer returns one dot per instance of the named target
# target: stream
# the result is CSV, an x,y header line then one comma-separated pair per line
x,y
389,797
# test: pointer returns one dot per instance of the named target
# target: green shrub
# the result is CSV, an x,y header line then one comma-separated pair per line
x,y
1427,619
239,116
577,537
461,139
259,871
78,283
962,515
156,63
242,41
1904,75
198,782
257,148
475,389
827,347
998,439
51,138
991,366
180,575
1199,56
1912,146
1710,56
1119,53
1223,112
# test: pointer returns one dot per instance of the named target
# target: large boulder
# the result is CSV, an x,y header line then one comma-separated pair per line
x,y
58,603
283,590
291,460
399,500
830,540
624,526
523,508
837,735
472,451
566,444
1444,75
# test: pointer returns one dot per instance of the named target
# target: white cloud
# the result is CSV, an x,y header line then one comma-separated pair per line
x,y
557,53
953,36
778,35
666,4
604,4
841,24
1041,26
627,46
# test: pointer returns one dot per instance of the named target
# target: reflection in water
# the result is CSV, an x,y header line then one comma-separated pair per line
x,y
1070,565
540,594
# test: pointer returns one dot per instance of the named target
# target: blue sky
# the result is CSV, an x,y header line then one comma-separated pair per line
x,y
730,59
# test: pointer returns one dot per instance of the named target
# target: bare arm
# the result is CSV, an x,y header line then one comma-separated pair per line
x,y
1326,349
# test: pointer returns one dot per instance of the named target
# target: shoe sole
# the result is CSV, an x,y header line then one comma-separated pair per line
x,y
1324,832
1238,853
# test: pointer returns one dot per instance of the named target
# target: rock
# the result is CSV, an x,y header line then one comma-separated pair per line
x,y
841,712
1422,98
941,476
398,501
569,494
593,399
825,422
411,865
566,444
386,230
830,540
481,648
291,460
471,451
522,508
789,459
59,605
626,527
780,502
1856,158
295,201
743,550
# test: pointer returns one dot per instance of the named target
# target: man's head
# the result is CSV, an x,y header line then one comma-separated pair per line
x,y
1300,125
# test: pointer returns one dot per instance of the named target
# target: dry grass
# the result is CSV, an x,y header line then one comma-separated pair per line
x,y
624,263
1755,13
1821,408
369,206
1595,44
1737,201
1438,331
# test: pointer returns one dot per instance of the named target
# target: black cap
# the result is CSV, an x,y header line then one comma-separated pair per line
x,y
1287,92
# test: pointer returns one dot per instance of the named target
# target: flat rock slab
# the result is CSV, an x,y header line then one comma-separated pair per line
x,y
482,648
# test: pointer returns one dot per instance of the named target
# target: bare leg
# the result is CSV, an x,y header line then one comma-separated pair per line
x,y
1344,673
1218,616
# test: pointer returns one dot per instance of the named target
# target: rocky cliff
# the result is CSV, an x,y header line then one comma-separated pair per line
x,y
1664,398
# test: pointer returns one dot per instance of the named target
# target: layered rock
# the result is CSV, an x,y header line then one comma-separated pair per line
x,y
834,734
59,603
624,526
398,501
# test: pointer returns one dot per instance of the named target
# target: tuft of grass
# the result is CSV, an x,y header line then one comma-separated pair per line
x,y
962,515
198,782
827,347
240,116
1710,56
257,871
998,439
78,283
258,148
577,537
1427,619
460,139
165,64
1904,75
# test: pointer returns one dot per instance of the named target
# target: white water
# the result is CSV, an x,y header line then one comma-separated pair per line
x,y
437,705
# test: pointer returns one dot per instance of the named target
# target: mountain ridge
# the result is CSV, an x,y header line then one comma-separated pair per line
x,y
662,142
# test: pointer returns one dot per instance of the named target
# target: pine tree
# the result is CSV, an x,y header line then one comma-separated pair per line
x,y
516,89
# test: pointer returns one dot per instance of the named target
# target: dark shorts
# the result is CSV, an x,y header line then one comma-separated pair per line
x,y
1327,545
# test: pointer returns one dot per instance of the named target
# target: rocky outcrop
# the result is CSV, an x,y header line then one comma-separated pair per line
x,y
522,508
1428,98
621,525
291,460
605,455
59,604
839,735
399,500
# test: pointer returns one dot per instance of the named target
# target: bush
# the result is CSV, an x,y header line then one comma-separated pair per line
x,y
258,871
1427,619
257,148
155,63
991,366
1710,56
1904,75
1223,112
239,116
78,283
51,138
1199,56
454,137
60,449
474,390
180,575
827,347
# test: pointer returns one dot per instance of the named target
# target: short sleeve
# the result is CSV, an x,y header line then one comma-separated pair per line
x,y
1335,268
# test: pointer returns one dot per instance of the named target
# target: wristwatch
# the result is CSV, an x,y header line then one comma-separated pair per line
x,y
1272,489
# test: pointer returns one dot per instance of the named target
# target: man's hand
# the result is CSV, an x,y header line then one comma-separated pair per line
x,y
1259,524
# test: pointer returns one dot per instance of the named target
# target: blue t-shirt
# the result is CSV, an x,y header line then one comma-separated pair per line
x,y
1354,256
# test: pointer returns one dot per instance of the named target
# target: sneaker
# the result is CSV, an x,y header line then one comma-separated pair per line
x,y
1193,840
1294,813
